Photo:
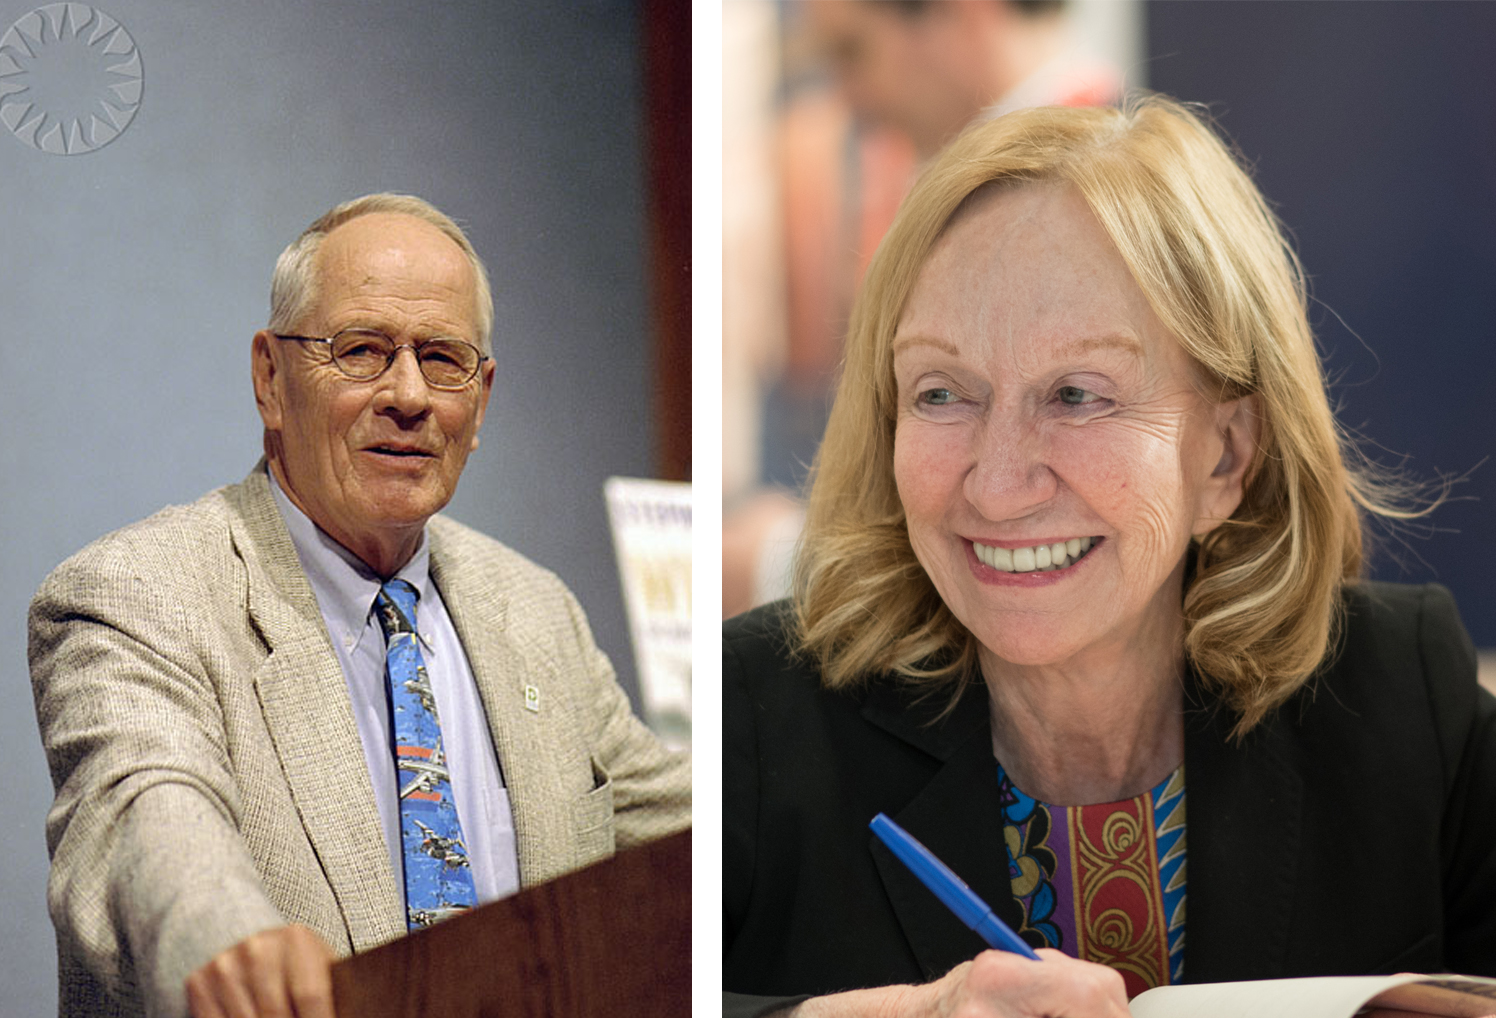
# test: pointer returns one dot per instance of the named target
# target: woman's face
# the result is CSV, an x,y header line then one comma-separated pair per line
x,y
1042,405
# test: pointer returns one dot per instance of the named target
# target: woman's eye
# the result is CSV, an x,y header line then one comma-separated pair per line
x,y
937,397
1076,396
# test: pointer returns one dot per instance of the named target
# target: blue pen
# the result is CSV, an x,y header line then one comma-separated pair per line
x,y
949,888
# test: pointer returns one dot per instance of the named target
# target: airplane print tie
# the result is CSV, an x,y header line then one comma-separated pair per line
x,y
438,879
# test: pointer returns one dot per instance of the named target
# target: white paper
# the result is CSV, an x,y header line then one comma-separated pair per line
x,y
651,523
1319,997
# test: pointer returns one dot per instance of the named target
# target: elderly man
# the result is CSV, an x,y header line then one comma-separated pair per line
x,y
305,713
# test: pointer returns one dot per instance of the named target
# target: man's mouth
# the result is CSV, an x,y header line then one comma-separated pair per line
x,y
399,450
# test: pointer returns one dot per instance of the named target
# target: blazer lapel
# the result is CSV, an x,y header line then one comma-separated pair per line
x,y
527,742
956,816
304,697
1245,816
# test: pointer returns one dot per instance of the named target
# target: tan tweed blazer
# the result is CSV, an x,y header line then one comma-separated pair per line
x,y
209,775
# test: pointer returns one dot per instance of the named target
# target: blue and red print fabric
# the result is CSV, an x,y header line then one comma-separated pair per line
x,y
1103,883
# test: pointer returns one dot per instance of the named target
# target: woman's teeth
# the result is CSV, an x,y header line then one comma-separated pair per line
x,y
1040,558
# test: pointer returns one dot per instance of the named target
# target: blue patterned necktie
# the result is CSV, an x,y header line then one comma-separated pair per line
x,y
438,880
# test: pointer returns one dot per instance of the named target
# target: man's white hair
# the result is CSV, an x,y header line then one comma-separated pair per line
x,y
293,286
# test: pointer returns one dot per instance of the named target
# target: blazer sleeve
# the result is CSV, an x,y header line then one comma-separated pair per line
x,y
740,801
149,876
1465,719
650,786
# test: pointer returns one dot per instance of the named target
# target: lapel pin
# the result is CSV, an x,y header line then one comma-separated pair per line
x,y
532,699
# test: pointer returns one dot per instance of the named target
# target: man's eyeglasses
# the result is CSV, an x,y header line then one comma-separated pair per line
x,y
363,354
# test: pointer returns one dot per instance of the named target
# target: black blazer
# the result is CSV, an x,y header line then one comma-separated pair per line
x,y
1353,832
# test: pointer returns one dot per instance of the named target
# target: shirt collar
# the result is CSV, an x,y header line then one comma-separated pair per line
x,y
345,587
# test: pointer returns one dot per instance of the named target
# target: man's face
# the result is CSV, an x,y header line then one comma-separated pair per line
x,y
370,461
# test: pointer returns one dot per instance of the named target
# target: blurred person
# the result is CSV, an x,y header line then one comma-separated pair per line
x,y
1084,545
307,713
908,76
927,68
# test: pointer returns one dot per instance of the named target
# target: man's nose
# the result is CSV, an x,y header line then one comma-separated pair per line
x,y
403,390
1010,477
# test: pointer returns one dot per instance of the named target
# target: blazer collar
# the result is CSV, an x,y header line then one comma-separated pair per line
x,y
927,721
304,697
956,816
1244,806
522,694
1245,818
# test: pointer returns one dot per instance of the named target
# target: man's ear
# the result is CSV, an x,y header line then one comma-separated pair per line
x,y
486,374
265,371
1238,430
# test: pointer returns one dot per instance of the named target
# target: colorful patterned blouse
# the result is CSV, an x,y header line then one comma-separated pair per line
x,y
1104,883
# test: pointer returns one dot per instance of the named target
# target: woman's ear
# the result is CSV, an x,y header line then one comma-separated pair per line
x,y
1238,429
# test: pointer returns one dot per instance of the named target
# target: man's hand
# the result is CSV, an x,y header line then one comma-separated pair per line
x,y
281,973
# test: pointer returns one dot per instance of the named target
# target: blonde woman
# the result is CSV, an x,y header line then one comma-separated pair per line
x,y
1083,546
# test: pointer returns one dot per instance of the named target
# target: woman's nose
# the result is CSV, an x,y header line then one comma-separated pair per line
x,y
1010,476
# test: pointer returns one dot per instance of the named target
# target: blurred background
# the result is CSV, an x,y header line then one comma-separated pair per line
x,y
1369,126
133,276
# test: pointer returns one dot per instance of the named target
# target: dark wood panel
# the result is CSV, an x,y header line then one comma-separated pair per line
x,y
609,940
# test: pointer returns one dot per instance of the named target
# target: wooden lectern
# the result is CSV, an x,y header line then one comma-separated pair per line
x,y
610,940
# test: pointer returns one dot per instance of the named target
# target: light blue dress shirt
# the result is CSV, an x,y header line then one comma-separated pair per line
x,y
345,589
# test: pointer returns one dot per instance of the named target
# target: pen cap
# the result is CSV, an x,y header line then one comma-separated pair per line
x,y
934,874
949,888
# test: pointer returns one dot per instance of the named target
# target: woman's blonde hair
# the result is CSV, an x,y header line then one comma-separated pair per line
x,y
1262,607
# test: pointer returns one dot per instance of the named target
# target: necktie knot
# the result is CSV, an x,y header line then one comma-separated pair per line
x,y
395,605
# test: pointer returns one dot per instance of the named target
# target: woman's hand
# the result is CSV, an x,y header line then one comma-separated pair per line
x,y
995,984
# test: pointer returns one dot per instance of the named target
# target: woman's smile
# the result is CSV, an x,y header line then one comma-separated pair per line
x,y
1029,565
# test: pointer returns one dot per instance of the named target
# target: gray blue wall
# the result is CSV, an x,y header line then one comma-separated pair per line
x,y
1370,126
132,277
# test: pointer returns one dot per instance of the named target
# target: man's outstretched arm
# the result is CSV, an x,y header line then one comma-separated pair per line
x,y
150,878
